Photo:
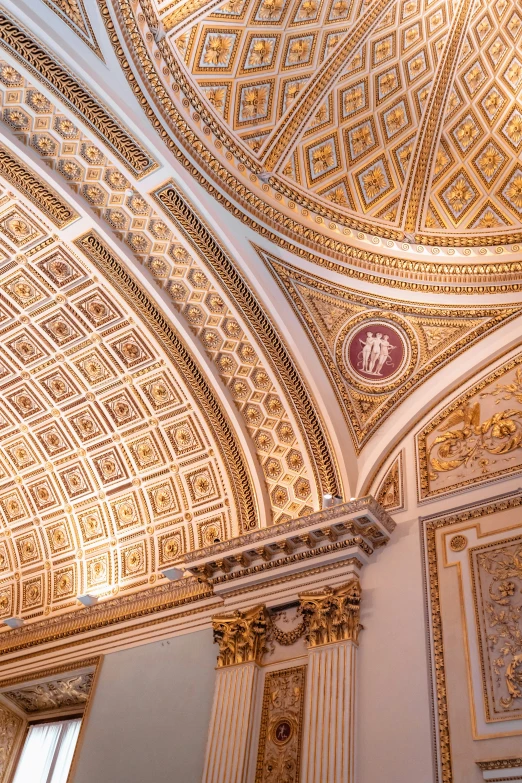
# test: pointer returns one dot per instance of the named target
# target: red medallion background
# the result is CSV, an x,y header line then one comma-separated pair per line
x,y
371,366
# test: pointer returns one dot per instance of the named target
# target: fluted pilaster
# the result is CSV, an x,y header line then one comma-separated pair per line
x,y
328,746
231,724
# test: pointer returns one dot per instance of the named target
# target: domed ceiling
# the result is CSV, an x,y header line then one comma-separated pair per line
x,y
396,118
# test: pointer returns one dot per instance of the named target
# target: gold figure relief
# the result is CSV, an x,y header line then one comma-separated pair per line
x,y
475,438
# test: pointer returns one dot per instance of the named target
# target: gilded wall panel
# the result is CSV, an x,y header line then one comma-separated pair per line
x,y
11,727
279,752
476,437
75,16
473,576
496,570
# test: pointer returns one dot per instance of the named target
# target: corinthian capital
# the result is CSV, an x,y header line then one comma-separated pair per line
x,y
241,636
332,614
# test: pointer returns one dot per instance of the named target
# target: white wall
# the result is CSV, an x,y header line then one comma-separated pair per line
x,y
150,714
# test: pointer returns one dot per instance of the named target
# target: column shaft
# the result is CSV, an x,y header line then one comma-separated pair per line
x,y
230,729
328,746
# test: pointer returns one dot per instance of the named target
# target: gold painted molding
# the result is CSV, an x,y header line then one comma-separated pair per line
x,y
298,396
34,57
430,525
40,193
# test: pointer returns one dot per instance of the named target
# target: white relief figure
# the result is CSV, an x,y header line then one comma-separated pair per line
x,y
375,353
366,351
384,356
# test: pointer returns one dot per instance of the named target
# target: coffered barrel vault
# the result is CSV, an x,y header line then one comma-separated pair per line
x,y
115,457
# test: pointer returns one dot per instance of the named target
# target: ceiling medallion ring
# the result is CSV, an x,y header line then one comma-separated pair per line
x,y
375,351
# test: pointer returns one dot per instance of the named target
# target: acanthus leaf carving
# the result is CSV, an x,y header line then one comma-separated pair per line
x,y
332,614
241,636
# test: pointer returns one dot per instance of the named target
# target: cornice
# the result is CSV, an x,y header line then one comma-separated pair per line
x,y
353,531
349,531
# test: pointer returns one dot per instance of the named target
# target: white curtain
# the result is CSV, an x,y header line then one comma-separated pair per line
x,y
47,752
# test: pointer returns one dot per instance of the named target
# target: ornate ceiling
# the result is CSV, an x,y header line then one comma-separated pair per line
x,y
168,375
397,119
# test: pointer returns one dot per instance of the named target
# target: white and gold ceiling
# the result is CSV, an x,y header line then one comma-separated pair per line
x,y
198,201
399,119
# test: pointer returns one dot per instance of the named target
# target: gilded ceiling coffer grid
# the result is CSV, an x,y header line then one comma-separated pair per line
x,y
438,88
285,453
111,468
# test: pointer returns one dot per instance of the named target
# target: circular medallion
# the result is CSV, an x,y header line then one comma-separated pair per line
x,y
458,543
282,732
375,351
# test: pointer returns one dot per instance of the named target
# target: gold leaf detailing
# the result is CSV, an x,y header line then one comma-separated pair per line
x,y
35,189
241,636
15,38
332,614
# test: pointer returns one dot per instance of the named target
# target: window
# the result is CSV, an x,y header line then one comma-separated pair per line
x,y
47,753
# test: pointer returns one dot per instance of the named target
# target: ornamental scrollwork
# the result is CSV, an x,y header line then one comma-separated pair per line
x,y
504,615
465,440
241,636
42,697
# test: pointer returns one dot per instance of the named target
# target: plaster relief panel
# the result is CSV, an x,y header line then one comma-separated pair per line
x,y
496,570
475,438
474,576
11,727
279,752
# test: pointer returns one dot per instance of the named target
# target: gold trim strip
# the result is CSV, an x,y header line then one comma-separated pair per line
x,y
117,610
413,206
34,57
35,189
